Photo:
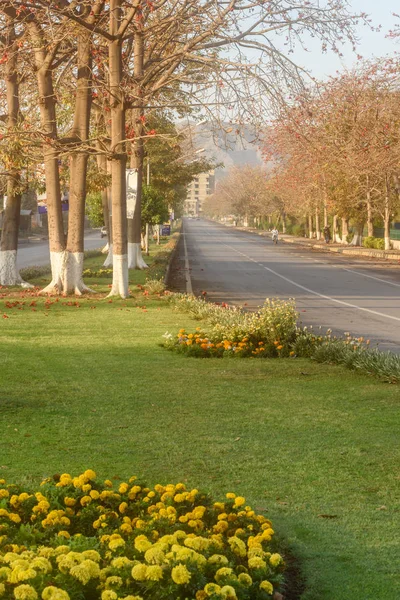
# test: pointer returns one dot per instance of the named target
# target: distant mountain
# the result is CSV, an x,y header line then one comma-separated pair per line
x,y
228,145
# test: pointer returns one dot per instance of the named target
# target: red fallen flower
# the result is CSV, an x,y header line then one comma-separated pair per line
x,y
5,316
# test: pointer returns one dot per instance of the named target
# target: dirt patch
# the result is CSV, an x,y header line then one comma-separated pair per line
x,y
176,281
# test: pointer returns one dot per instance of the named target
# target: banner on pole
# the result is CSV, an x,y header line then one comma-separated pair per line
x,y
131,191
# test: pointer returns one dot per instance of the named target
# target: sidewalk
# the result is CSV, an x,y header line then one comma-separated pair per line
x,y
389,255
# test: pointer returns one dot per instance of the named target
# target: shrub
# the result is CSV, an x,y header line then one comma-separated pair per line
x,y
299,230
29,273
155,286
76,537
373,242
274,324
99,273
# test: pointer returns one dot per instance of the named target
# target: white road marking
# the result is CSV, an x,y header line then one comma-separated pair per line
x,y
372,277
302,287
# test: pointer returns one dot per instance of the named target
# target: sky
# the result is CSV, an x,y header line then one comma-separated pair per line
x,y
372,44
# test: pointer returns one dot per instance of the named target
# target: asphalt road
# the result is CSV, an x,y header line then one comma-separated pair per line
x,y
342,293
36,253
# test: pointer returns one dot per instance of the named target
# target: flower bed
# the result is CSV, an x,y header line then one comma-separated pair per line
x,y
77,537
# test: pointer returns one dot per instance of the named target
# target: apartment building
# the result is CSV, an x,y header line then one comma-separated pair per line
x,y
202,186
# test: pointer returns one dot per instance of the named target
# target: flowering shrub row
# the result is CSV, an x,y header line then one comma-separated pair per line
x,y
272,326
199,345
77,537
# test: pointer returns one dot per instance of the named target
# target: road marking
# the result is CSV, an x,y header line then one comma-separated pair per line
x,y
368,310
372,277
189,289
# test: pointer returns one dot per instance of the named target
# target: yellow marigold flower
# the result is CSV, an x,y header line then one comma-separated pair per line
x,y
211,589
86,488
245,579
278,348
41,564
69,501
2,589
126,528
222,573
142,543
65,479
219,506
180,574
230,496
220,527
108,483
94,494
4,572
256,563
275,559
239,501
132,598
14,517
85,571
25,592
113,580
64,534
123,488
228,592
201,595
92,555
139,572
237,546
222,516
53,593
85,500
154,573
109,595
116,543
218,559
122,507
4,493
89,474
267,586
179,498
154,555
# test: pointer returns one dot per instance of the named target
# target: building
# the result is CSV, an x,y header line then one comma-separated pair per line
x,y
202,186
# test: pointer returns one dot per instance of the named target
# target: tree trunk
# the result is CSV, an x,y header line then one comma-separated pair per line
x,y
370,225
135,259
386,215
118,165
336,237
9,274
310,226
317,224
73,281
357,238
345,231
283,217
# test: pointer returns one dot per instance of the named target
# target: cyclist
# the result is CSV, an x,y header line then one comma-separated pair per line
x,y
275,235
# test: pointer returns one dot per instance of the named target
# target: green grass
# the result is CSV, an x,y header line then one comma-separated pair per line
x,y
314,447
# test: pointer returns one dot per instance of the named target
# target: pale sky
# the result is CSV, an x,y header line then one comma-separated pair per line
x,y
372,44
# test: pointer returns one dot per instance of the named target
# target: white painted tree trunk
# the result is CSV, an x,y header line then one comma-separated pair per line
x,y
135,258
106,249
57,260
120,276
72,275
9,273
109,260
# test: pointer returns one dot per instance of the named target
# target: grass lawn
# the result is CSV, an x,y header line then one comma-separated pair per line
x,y
86,386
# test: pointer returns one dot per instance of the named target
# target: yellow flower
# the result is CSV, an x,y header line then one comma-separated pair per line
x,y
180,574
53,593
218,559
211,589
4,493
108,483
85,571
120,562
154,573
25,592
275,560
154,555
239,501
85,500
89,474
139,572
222,573
109,595
228,592
237,546
94,494
69,501
123,488
86,488
116,543
256,563
267,586
122,507
114,580
142,543
64,534
245,579
230,496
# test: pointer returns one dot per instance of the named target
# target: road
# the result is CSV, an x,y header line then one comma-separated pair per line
x,y
37,253
342,293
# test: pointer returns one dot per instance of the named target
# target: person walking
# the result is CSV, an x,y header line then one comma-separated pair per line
x,y
327,234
